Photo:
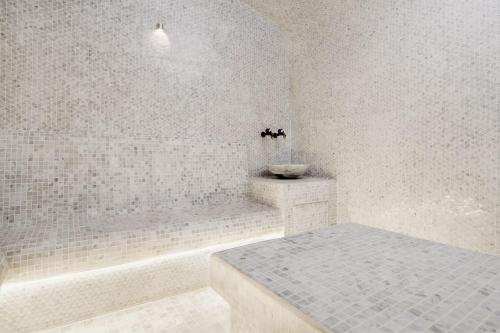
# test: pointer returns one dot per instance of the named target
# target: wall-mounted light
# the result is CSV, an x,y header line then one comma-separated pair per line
x,y
160,37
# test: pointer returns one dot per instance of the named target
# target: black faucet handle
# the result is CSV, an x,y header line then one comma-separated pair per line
x,y
272,134
266,132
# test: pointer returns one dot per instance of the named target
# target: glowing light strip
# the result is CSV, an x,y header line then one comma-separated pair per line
x,y
139,263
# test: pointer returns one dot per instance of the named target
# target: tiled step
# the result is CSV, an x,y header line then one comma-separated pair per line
x,y
27,306
72,246
66,273
199,311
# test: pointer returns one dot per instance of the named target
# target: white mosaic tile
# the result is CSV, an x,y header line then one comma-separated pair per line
x,y
201,311
304,203
399,100
4,266
219,72
48,178
29,306
253,309
100,114
68,246
353,278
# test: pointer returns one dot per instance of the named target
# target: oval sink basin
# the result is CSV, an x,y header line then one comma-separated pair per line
x,y
288,170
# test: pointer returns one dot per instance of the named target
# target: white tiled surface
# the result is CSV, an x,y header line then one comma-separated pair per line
x,y
298,191
201,311
219,72
44,250
49,178
304,203
399,100
50,302
27,306
100,115
253,309
353,278
4,266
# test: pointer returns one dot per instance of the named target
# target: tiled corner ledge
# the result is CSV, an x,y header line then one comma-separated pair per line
x,y
304,202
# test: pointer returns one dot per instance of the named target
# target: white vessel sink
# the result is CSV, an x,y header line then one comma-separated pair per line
x,y
288,170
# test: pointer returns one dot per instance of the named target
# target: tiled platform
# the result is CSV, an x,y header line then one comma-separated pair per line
x,y
200,311
67,246
352,278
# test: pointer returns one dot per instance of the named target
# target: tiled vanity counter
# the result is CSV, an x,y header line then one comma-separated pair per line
x,y
304,203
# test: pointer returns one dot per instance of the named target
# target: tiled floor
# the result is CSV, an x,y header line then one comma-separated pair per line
x,y
200,311
356,279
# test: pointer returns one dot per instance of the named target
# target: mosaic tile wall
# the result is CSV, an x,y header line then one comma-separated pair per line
x,y
101,114
4,266
399,100
47,177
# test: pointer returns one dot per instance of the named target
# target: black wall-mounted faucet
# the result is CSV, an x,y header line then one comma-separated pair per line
x,y
266,133
272,134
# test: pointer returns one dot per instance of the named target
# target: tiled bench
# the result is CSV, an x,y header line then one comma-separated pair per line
x,y
46,250
68,272
356,279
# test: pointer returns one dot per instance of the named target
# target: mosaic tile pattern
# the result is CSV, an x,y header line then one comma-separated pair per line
x,y
100,114
253,308
353,278
201,311
304,203
30,306
44,303
399,100
51,177
219,71
48,249
4,266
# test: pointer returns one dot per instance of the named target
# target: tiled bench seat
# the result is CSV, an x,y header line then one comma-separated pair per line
x,y
50,249
356,279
